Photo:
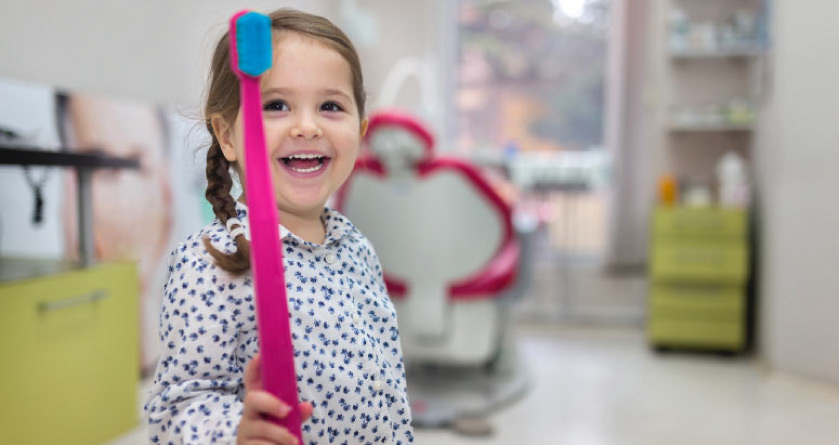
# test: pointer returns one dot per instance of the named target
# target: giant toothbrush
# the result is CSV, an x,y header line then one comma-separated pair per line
x,y
250,56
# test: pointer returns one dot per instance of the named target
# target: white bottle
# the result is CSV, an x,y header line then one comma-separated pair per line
x,y
733,181
679,29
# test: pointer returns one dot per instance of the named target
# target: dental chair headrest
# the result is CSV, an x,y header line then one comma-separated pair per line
x,y
398,139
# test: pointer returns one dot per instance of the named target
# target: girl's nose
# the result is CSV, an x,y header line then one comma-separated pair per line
x,y
306,128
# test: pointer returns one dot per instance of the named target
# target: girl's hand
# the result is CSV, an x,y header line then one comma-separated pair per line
x,y
255,428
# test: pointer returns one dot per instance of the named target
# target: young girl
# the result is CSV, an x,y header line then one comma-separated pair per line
x,y
350,373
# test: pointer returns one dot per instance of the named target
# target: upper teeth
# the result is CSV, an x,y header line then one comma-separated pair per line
x,y
305,156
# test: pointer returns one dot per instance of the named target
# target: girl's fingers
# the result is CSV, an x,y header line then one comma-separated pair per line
x,y
253,374
263,431
261,403
256,428
306,409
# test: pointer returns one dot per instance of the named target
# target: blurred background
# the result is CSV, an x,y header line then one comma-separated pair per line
x,y
667,164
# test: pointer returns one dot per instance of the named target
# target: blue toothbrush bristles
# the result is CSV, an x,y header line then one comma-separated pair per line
x,y
253,43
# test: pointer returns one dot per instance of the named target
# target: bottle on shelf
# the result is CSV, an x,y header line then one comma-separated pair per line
x,y
668,190
733,181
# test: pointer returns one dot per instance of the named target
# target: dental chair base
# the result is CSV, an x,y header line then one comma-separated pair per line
x,y
443,394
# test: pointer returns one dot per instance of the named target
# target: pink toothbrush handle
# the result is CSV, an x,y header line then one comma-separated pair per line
x,y
278,373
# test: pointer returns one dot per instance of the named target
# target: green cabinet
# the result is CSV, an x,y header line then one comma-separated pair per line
x,y
69,343
699,267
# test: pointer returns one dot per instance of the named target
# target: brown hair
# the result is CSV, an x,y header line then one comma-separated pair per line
x,y
223,100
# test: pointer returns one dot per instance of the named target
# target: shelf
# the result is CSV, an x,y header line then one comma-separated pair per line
x,y
724,127
684,54
17,269
28,156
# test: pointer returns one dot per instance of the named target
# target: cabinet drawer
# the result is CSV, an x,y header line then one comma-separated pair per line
x,y
70,356
696,334
699,262
711,303
688,222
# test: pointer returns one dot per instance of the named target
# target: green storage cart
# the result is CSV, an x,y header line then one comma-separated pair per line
x,y
699,272
69,342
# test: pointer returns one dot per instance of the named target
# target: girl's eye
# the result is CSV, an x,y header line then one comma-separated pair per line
x,y
275,105
331,106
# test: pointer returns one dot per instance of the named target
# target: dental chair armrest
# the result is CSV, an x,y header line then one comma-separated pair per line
x,y
397,289
489,282
493,279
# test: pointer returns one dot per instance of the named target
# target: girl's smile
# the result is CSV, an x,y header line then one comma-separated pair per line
x,y
305,165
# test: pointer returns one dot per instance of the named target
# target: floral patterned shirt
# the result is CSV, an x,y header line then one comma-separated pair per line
x,y
346,342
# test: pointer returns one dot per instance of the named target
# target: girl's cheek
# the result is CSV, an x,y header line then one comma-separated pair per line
x,y
351,134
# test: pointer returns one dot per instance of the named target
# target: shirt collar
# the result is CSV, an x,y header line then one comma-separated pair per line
x,y
337,225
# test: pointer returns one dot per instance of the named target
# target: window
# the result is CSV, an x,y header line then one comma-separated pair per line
x,y
530,97
531,74
530,91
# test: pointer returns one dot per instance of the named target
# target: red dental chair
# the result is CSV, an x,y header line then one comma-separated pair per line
x,y
450,257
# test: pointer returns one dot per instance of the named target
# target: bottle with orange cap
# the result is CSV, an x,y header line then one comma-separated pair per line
x,y
668,190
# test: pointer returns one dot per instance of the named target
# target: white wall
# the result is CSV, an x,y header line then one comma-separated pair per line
x,y
416,37
151,50
159,50
798,157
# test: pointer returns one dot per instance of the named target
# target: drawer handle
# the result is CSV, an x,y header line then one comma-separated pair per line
x,y
700,224
706,258
73,301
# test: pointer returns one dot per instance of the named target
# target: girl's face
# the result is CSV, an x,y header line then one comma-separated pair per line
x,y
312,126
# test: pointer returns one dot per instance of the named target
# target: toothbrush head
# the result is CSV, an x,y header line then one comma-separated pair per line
x,y
250,43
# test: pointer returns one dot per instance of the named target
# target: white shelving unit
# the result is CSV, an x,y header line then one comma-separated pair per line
x,y
708,60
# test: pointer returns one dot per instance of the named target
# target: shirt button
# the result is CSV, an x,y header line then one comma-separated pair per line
x,y
331,258
377,385
356,319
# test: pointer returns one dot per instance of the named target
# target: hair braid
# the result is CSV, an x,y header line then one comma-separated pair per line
x,y
219,184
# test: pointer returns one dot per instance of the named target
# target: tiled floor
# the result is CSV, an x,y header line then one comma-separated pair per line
x,y
603,386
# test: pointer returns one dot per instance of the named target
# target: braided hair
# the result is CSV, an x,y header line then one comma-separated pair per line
x,y
218,194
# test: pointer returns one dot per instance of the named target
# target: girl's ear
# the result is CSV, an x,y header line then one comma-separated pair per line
x,y
224,134
363,131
